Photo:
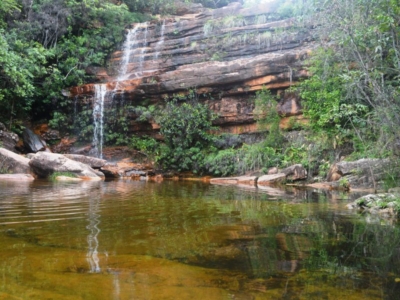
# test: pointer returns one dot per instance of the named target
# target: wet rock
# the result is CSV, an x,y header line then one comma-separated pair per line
x,y
8,139
17,177
33,142
13,163
93,162
44,164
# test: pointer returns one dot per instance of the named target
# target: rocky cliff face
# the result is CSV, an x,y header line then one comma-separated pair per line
x,y
226,54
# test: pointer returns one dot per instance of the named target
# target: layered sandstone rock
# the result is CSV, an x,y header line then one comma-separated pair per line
x,y
226,55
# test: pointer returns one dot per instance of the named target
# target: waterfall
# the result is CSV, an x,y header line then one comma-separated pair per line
x,y
160,43
130,45
98,118
143,51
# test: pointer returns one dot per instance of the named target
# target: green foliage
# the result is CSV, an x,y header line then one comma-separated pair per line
x,y
47,48
146,145
353,93
186,129
222,163
53,176
267,117
239,161
6,8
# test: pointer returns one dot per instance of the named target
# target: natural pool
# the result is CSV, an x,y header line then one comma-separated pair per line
x,y
189,240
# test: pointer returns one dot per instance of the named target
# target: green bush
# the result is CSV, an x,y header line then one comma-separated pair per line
x,y
222,163
186,128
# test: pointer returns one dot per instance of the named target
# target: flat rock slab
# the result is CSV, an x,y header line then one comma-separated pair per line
x,y
242,180
273,179
11,162
17,177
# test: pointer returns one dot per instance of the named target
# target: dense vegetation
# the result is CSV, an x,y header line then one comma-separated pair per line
x,y
47,45
352,97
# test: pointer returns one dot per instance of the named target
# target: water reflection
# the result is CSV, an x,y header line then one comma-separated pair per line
x,y
191,241
94,230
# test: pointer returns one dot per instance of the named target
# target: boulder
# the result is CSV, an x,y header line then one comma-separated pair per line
x,y
363,173
295,172
33,142
8,140
273,179
44,164
17,177
93,162
11,162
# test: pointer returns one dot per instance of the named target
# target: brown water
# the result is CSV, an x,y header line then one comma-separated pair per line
x,y
174,240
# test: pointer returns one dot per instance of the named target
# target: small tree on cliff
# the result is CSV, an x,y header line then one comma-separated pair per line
x,y
185,127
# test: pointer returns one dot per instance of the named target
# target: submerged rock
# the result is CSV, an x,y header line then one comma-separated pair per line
x,y
45,164
385,204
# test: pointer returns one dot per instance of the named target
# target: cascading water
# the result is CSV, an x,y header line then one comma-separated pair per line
x,y
142,51
98,118
134,50
160,43
129,47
